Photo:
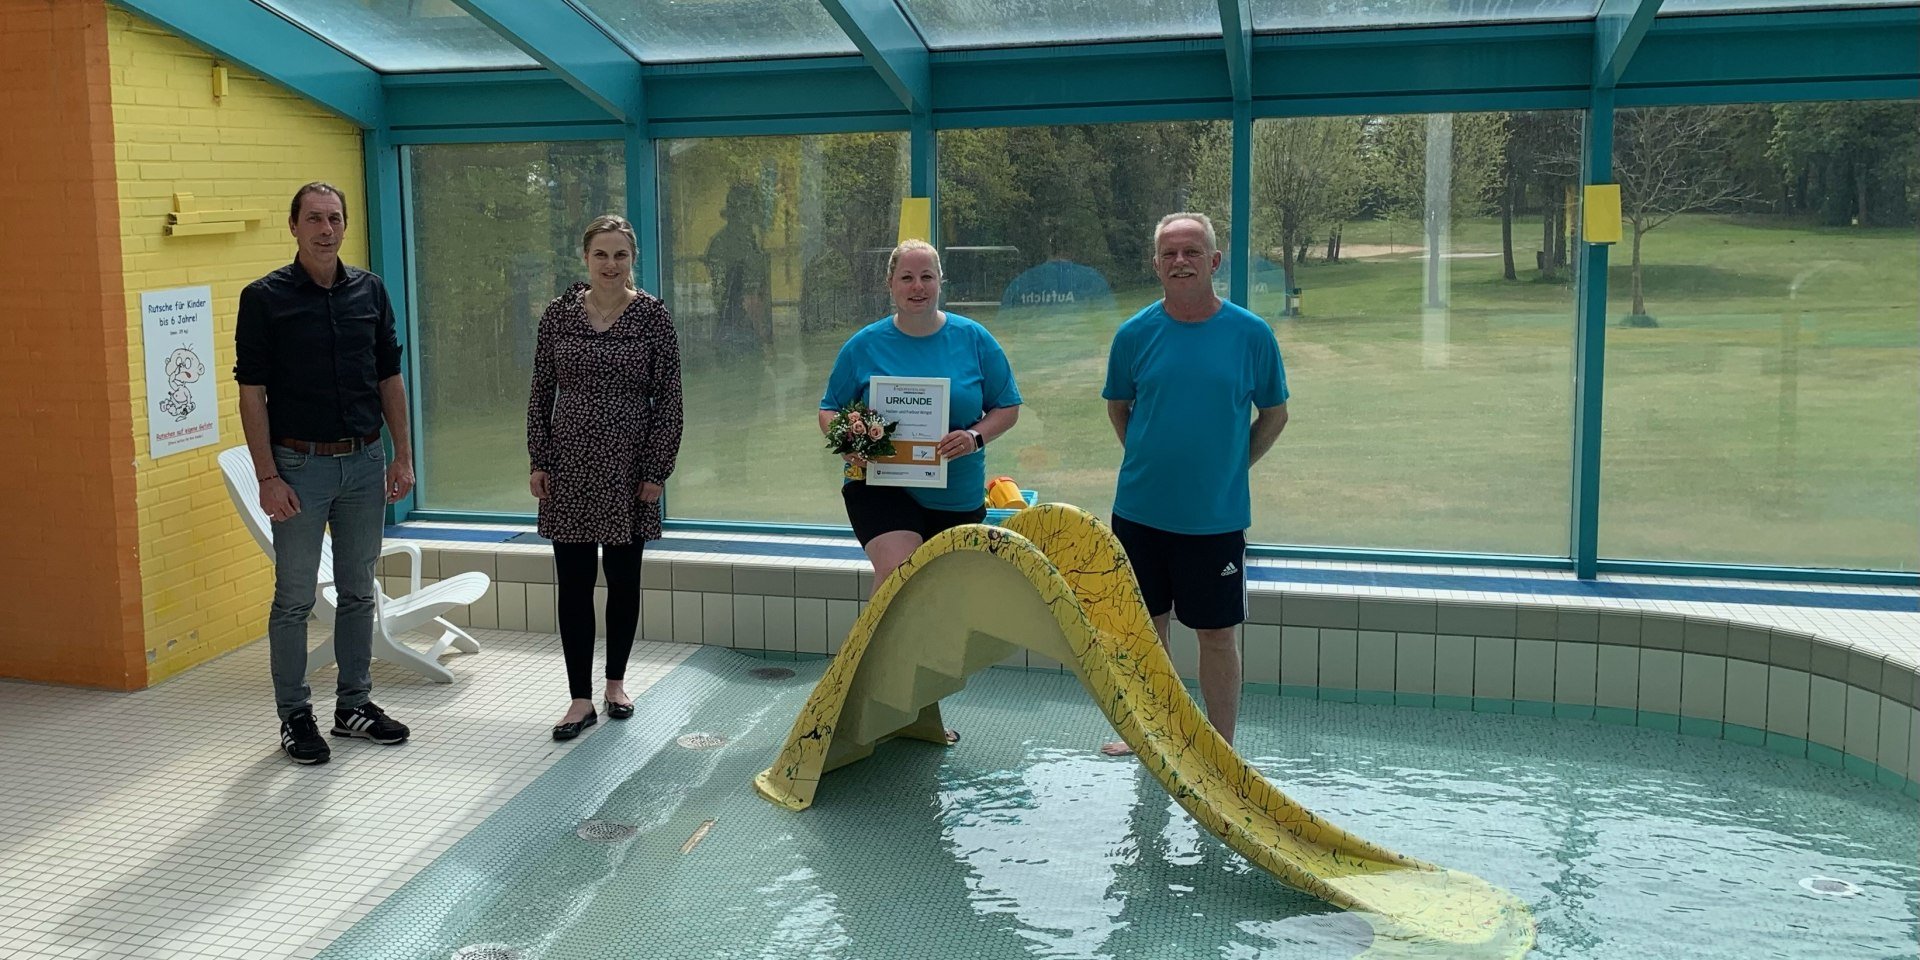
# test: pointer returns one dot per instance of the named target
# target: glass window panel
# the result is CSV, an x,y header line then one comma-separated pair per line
x,y
403,35
775,250
1763,364
495,235
992,23
1429,351
1277,15
668,30
1048,237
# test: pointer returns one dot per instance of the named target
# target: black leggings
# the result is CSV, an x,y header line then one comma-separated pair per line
x,y
576,567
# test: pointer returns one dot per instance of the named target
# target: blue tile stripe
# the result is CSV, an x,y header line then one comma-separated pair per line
x,y
1586,588
1537,586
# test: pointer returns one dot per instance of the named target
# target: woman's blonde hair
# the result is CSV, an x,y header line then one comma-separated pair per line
x,y
893,259
609,223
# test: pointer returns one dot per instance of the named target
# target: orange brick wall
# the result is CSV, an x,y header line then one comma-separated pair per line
x,y
70,588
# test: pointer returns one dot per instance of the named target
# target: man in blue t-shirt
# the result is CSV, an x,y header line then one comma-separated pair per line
x,y
1197,393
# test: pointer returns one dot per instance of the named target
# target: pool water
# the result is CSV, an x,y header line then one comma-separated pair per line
x,y
1023,841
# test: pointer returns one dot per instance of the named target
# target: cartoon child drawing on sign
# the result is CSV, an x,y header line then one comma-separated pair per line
x,y
183,368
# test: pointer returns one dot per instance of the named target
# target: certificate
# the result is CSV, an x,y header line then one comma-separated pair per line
x,y
919,406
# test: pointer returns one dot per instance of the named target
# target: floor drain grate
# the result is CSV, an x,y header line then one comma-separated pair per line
x,y
701,741
488,951
1829,887
604,831
770,673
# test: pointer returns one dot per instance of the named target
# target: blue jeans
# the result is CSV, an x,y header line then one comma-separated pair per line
x,y
347,493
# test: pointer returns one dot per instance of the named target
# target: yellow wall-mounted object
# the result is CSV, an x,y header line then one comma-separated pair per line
x,y
1600,221
185,221
219,82
916,219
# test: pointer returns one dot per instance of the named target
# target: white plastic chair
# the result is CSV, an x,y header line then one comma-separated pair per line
x,y
420,607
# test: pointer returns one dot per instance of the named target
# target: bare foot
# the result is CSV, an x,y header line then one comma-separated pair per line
x,y
953,736
1117,748
577,711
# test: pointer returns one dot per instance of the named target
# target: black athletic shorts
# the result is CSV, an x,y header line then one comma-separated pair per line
x,y
877,510
1202,578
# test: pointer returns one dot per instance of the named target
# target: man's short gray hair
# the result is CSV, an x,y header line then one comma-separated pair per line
x,y
1205,222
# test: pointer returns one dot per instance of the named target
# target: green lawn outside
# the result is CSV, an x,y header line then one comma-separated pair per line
x,y
1770,418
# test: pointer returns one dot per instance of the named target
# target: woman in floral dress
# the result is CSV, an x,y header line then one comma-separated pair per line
x,y
603,429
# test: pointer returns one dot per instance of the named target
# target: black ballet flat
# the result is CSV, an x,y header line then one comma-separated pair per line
x,y
567,731
619,711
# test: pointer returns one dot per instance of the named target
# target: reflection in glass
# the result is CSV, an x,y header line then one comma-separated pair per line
x,y
1276,15
775,252
1763,365
495,235
999,23
404,35
667,30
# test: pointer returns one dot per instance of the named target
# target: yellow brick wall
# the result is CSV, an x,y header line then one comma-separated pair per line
x,y
206,584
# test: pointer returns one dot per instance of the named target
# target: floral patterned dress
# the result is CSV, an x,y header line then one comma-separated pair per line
x,y
604,417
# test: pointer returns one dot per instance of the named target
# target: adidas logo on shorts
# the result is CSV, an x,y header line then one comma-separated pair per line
x,y
1229,570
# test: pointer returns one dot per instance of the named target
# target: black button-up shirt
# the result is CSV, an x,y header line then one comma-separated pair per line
x,y
321,352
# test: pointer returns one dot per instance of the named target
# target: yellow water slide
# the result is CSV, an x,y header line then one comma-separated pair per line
x,y
1055,581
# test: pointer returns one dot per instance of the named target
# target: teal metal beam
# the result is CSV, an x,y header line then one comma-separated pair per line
x,y
1809,47
1590,351
1724,58
389,255
500,99
1236,29
253,37
1240,229
1618,28
1236,34
892,46
643,205
574,48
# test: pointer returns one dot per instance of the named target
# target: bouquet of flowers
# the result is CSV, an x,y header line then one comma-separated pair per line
x,y
859,431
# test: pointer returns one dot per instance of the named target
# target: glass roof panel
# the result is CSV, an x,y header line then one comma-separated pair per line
x,y
953,24
660,31
398,36
1733,6
1272,16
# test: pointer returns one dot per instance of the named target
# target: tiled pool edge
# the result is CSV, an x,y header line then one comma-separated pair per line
x,y
1786,691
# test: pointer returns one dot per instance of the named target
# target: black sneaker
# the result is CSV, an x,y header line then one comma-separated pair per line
x,y
300,738
369,723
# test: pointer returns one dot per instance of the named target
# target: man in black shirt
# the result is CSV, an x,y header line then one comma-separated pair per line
x,y
318,363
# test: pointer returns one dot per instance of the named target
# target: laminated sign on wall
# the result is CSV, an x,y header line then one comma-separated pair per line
x,y
183,411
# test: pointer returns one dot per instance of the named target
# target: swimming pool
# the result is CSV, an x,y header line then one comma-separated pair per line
x,y
1023,841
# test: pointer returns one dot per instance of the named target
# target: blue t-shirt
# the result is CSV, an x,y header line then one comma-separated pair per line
x,y
1194,387
963,352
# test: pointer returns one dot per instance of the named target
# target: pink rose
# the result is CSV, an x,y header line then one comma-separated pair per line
x,y
875,432
853,419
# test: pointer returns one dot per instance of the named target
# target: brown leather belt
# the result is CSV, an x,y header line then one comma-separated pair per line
x,y
329,448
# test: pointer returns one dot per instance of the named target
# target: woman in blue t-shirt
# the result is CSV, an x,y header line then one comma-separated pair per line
x,y
921,340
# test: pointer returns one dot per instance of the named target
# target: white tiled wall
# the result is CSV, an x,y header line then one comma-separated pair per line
x,y
1555,655
1660,681
1493,665
1575,670
1703,686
